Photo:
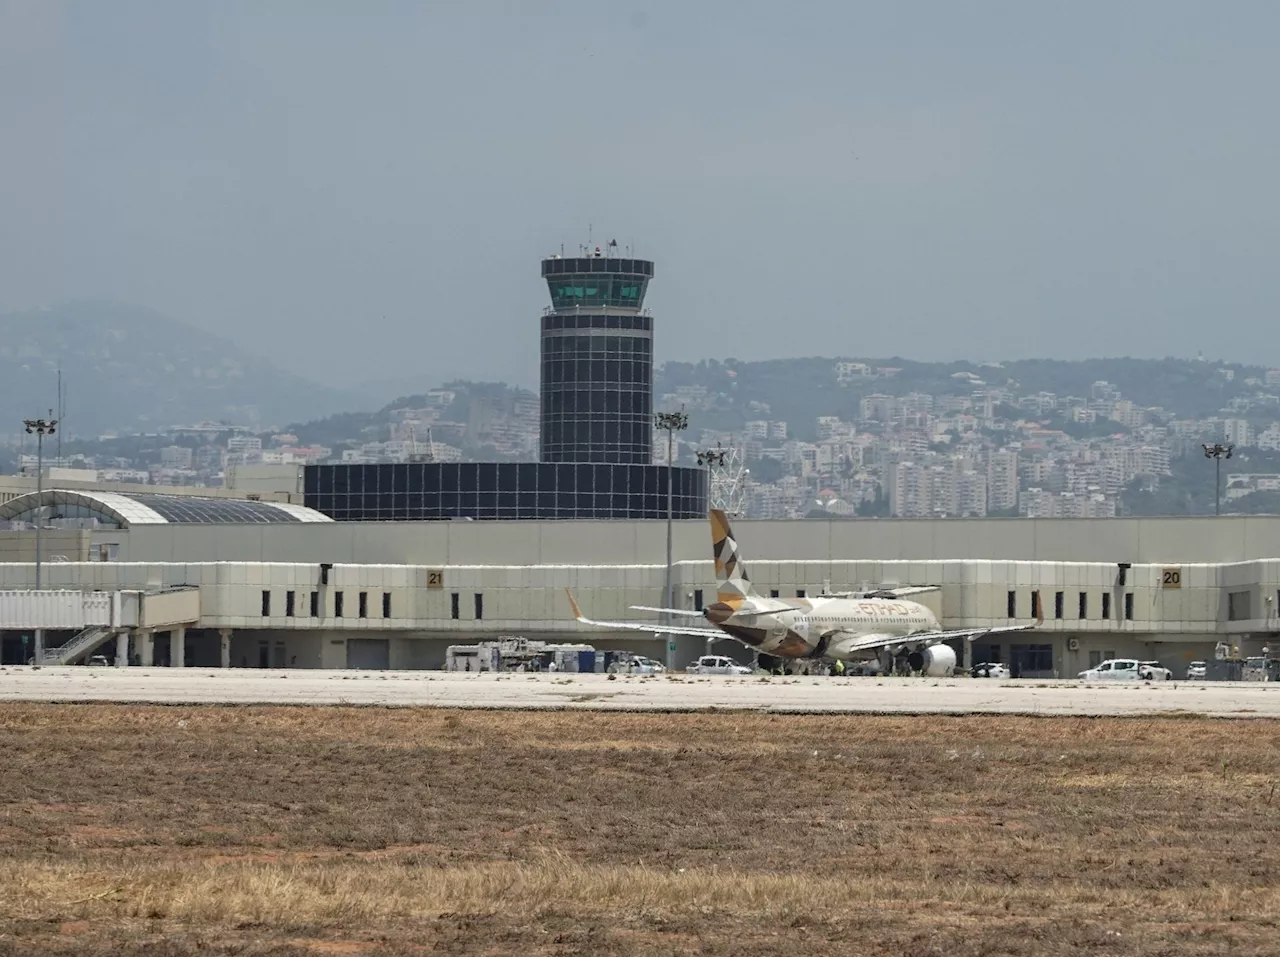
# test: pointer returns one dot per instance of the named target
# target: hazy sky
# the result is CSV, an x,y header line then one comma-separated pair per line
x,y
364,190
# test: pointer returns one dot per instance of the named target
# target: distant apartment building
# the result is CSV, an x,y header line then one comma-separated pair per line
x,y
830,427
207,458
1128,414
1238,432
246,448
852,371
1104,391
915,404
970,494
177,457
801,458
1002,480
877,408
910,490
1269,438
1244,483
951,404
1041,503
1153,460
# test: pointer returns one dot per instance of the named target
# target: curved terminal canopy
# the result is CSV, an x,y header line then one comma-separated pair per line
x,y
123,509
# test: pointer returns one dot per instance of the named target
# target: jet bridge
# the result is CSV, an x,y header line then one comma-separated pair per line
x,y
95,617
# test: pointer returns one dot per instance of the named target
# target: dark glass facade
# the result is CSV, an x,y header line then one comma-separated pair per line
x,y
597,362
502,490
597,390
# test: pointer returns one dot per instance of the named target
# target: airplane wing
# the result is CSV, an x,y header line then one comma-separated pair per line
x,y
870,642
901,592
682,612
653,629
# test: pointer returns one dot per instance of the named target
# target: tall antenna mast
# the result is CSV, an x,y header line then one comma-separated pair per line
x,y
60,415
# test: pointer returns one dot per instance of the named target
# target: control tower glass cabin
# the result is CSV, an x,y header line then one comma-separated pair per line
x,y
597,360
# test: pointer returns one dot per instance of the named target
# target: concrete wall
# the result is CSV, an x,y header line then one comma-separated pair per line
x,y
1139,540
56,544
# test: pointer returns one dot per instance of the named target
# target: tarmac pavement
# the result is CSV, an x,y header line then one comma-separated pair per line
x,y
181,686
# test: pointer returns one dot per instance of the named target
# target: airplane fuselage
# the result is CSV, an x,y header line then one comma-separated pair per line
x,y
817,627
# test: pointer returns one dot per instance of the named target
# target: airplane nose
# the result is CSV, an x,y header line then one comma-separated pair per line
x,y
718,612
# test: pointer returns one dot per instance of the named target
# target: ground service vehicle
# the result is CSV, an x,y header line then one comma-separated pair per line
x,y
1113,669
989,669
717,665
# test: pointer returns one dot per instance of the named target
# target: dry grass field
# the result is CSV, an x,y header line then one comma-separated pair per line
x,y
299,831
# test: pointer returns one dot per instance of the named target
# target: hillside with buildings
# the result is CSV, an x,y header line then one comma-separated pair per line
x,y
833,437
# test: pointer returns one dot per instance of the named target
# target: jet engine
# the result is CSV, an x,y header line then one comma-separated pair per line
x,y
935,661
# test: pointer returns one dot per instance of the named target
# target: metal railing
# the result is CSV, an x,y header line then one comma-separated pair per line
x,y
84,643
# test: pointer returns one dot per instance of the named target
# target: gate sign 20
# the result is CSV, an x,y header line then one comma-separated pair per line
x,y
1171,578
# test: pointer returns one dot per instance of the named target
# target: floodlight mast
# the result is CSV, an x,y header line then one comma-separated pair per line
x,y
40,428
672,422
1217,452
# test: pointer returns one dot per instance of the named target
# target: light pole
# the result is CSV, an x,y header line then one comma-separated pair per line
x,y
1217,452
41,428
673,422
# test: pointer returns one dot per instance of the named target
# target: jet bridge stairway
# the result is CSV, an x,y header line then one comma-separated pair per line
x,y
85,643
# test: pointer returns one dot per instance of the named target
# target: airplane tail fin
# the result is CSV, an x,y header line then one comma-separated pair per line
x,y
731,571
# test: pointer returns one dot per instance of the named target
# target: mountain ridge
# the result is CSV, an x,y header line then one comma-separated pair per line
x,y
130,368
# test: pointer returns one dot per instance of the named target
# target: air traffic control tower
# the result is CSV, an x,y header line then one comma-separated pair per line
x,y
596,425
597,359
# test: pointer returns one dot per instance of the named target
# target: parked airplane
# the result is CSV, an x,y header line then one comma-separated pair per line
x,y
902,633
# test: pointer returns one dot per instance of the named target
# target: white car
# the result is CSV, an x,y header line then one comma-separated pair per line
x,y
1197,671
637,665
1113,669
1153,671
989,669
717,665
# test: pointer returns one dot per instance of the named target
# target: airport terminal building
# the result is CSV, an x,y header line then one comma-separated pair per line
x,y
283,585
385,565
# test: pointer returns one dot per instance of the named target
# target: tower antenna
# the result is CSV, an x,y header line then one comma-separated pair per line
x,y
60,414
